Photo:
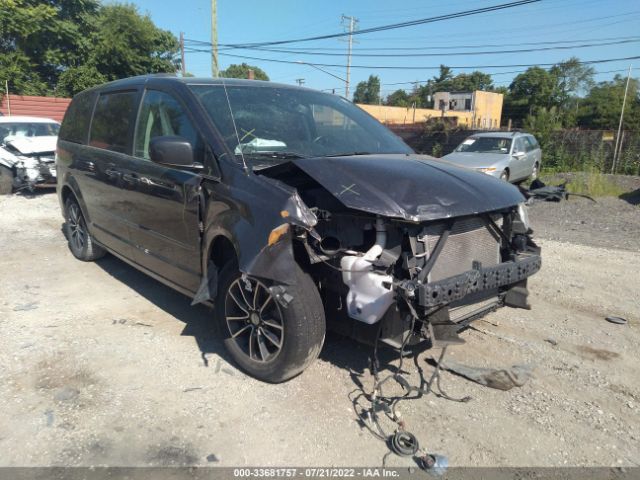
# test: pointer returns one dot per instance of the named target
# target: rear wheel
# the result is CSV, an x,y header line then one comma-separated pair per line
x,y
80,241
6,180
267,340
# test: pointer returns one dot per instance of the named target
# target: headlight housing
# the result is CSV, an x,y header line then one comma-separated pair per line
x,y
487,170
523,216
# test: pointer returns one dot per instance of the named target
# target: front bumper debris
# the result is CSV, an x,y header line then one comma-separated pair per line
x,y
459,286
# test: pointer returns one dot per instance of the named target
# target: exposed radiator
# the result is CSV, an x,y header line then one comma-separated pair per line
x,y
469,241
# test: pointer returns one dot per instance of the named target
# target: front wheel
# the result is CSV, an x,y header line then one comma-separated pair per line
x,y
534,171
267,340
504,175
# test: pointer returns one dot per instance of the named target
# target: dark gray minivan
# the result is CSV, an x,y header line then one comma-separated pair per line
x,y
289,211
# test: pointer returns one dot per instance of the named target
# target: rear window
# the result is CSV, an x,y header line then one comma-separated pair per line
x,y
111,128
75,126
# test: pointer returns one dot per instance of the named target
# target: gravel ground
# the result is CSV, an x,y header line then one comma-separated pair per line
x,y
101,365
610,222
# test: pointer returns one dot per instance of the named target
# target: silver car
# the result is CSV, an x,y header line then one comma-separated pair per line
x,y
511,156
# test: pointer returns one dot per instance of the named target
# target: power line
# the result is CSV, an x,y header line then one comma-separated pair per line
x,y
414,67
393,26
434,47
448,54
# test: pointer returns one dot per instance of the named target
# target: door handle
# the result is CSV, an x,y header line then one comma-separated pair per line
x,y
152,183
112,172
130,178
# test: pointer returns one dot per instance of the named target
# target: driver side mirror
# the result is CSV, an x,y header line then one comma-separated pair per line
x,y
518,155
172,151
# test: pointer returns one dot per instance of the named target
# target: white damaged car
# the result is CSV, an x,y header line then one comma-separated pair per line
x,y
27,152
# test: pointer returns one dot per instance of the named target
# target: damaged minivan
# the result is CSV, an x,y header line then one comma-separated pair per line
x,y
290,212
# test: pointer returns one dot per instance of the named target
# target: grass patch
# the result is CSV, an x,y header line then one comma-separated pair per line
x,y
592,183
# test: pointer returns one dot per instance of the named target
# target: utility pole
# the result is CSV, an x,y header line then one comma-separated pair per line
x,y
352,21
624,102
183,69
214,39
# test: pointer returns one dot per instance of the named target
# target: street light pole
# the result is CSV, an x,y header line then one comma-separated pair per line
x,y
322,70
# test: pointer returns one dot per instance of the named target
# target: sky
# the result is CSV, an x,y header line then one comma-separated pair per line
x,y
575,22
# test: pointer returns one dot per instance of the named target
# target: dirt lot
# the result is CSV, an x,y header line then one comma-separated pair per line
x,y
100,365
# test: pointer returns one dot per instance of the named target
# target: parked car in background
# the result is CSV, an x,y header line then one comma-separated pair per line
x,y
27,152
511,156
291,211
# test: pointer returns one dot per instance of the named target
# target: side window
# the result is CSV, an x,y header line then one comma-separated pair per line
x,y
75,126
112,121
519,145
162,115
534,143
528,143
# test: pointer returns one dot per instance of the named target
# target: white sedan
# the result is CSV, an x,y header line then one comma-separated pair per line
x,y
27,152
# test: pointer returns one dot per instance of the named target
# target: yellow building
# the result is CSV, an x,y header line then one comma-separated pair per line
x,y
478,110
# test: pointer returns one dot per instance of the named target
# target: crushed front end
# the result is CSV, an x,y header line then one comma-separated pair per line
x,y
403,282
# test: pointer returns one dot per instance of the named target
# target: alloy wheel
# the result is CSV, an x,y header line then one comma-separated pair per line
x,y
254,319
77,228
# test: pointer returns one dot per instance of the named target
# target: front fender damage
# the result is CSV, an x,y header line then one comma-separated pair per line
x,y
258,254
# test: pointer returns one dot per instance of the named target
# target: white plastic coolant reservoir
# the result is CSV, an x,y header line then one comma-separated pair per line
x,y
368,299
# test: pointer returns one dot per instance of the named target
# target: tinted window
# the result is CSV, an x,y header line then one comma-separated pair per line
x,y
163,115
75,126
273,123
533,142
112,121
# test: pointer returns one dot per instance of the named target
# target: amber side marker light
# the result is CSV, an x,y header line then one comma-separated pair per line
x,y
277,233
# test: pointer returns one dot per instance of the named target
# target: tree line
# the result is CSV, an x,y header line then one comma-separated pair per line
x,y
61,47
562,96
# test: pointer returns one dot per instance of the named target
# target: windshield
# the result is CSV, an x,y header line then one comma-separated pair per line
x,y
485,145
278,123
11,131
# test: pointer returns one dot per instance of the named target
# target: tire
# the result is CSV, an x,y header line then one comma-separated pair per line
x,y
534,172
80,241
6,180
266,340
504,175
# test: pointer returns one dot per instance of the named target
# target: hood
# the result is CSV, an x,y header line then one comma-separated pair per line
x,y
33,145
412,187
475,160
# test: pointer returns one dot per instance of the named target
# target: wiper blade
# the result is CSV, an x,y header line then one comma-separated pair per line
x,y
347,154
275,154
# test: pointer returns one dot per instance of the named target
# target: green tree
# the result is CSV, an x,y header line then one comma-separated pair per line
x,y
76,79
127,44
534,88
572,79
399,98
368,92
38,38
242,71
601,107
61,46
